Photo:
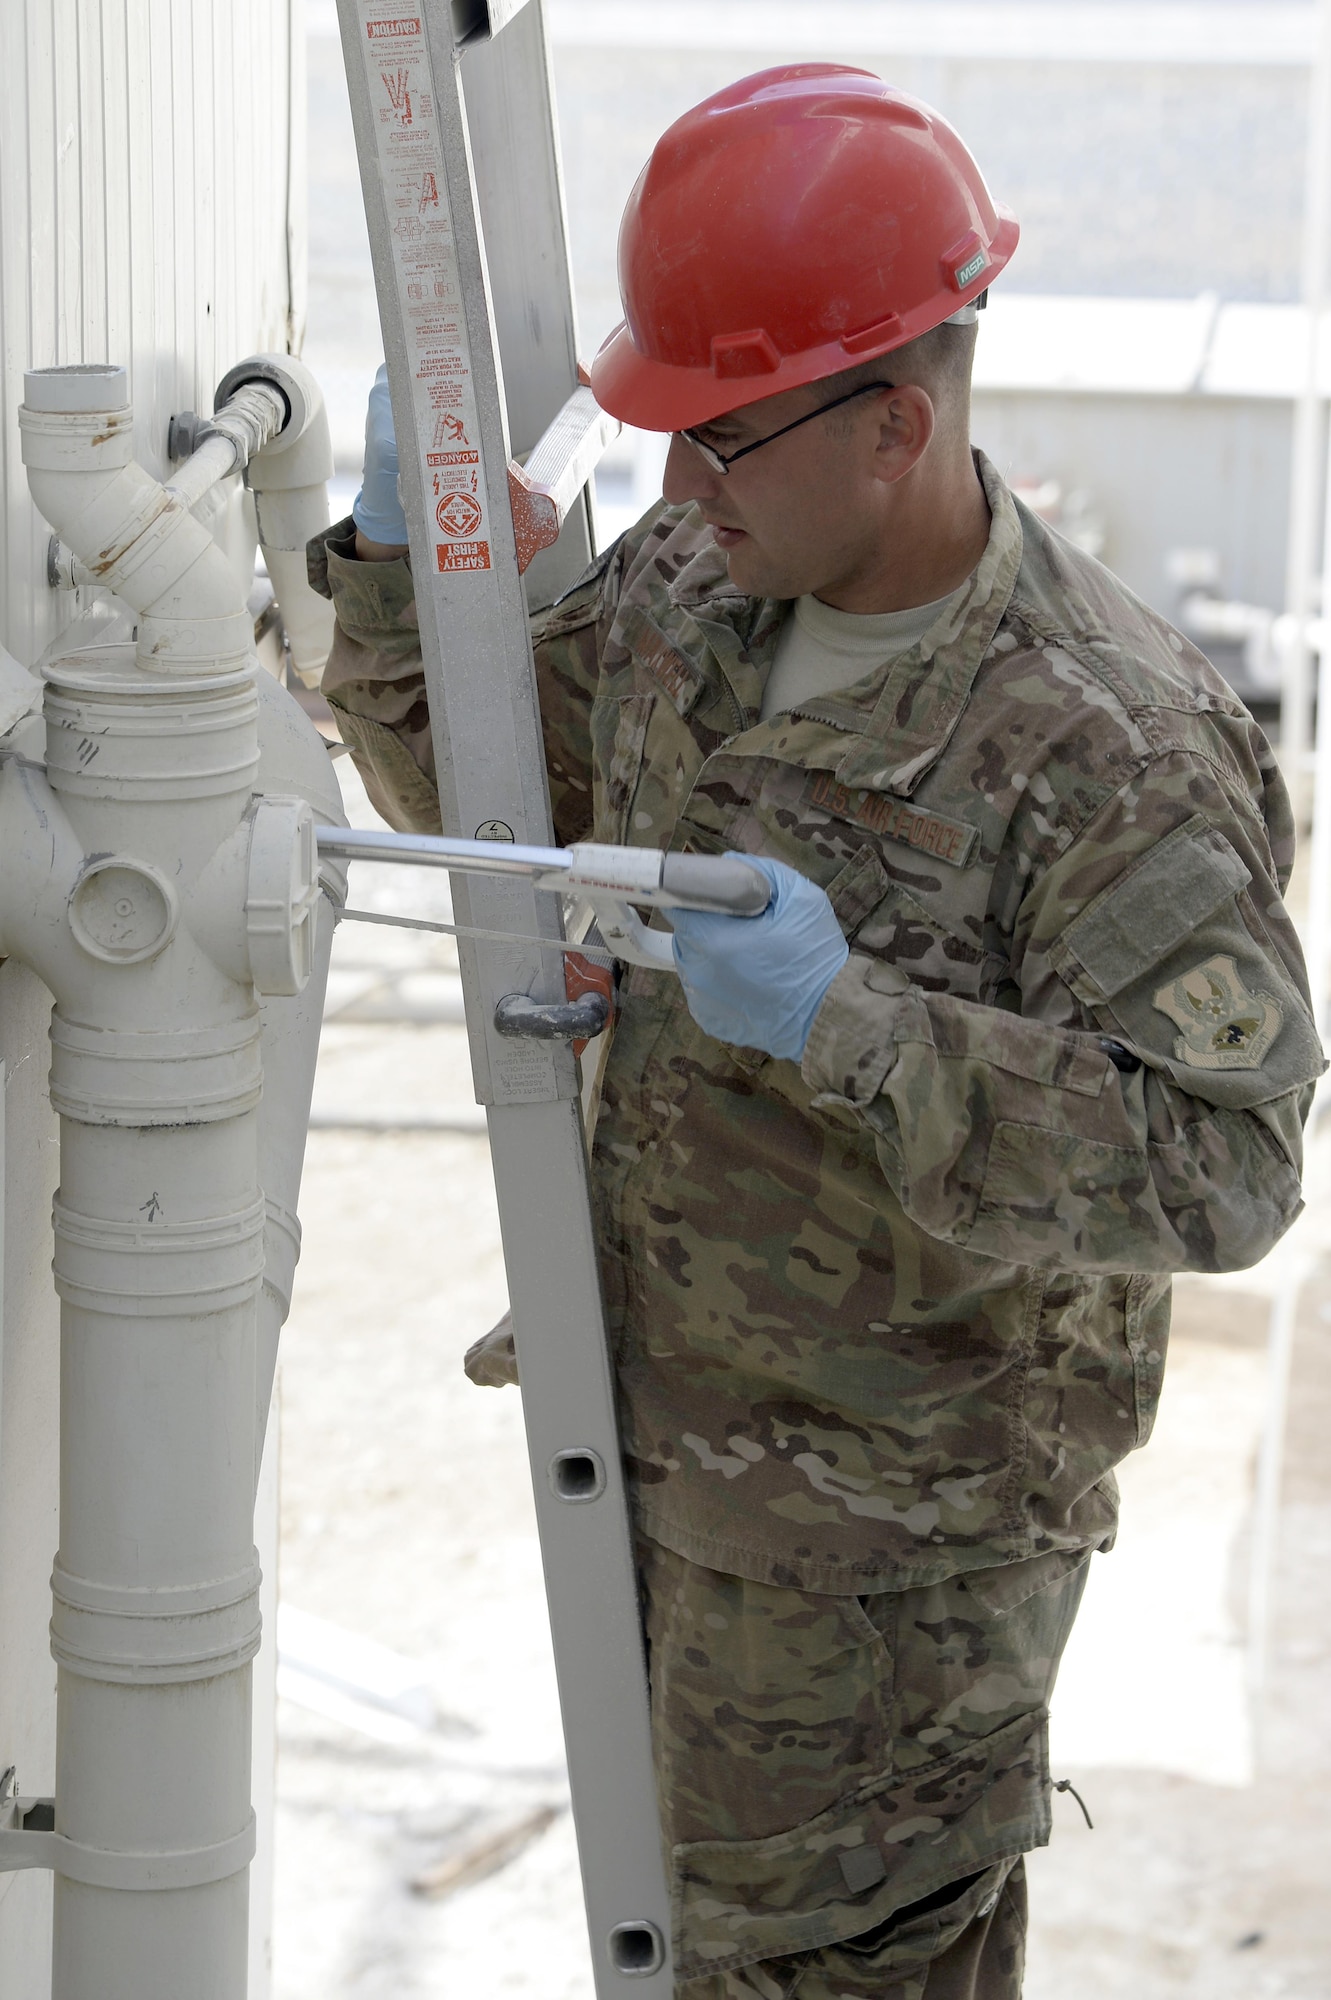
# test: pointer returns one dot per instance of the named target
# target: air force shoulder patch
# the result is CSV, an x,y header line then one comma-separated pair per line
x,y
1224,1025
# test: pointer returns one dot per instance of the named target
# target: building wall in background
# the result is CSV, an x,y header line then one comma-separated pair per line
x,y
1160,473
1139,179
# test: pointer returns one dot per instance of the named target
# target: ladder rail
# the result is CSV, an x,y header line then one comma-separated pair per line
x,y
446,384
508,86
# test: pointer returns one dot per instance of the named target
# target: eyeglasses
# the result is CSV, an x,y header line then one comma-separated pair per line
x,y
722,461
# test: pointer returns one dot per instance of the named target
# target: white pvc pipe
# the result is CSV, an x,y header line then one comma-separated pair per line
x,y
289,481
1317,926
293,760
133,536
1306,489
215,459
137,885
1281,1329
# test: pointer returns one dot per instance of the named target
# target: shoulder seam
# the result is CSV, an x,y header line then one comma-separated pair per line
x,y
1148,716
1239,805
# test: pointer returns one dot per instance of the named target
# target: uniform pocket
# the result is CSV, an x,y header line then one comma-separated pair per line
x,y
397,787
862,1967
626,755
900,929
1051,1197
1173,960
845,1872
857,888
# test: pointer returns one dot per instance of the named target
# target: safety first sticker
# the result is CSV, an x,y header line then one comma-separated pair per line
x,y
411,165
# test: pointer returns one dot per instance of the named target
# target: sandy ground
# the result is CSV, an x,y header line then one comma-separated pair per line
x,y
406,1518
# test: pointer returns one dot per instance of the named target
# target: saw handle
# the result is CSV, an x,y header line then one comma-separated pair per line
x,y
719,883
714,882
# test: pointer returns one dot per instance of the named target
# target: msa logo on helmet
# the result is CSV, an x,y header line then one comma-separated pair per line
x,y
970,271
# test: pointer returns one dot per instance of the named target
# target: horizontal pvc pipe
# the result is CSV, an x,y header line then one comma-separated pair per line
x,y
216,458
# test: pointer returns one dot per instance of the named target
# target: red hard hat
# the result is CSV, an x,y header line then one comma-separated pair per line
x,y
799,222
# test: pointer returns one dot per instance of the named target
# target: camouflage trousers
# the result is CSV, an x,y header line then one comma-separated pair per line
x,y
847,1783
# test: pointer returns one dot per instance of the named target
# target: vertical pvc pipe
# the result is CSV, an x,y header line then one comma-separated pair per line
x,y
1317,924
1309,416
1306,492
159,1243
159,1258
158,897
1266,1496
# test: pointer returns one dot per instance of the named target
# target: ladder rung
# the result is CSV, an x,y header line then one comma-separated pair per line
x,y
558,467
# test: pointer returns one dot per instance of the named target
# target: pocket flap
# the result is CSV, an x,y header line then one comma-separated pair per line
x,y
857,889
1154,905
737,1901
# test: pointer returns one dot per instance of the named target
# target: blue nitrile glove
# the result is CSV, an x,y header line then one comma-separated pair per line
x,y
759,981
377,508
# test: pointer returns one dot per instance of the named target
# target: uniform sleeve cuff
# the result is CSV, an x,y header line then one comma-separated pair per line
x,y
852,1044
339,540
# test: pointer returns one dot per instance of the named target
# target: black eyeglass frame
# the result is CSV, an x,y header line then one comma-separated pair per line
x,y
721,462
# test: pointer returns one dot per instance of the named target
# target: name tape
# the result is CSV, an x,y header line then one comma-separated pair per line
x,y
949,840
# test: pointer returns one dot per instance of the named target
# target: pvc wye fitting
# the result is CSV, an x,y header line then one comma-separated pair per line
x,y
131,534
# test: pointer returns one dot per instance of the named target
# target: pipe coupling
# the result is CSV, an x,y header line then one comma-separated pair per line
x,y
281,1250
184,1076
76,419
158,1269
148,1636
133,534
115,732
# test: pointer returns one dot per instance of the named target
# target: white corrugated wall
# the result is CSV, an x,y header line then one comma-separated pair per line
x,y
151,212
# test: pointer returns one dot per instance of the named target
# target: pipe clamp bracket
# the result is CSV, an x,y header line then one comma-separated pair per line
x,y
28,1840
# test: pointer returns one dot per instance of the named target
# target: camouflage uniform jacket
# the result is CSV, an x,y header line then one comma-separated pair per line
x,y
896,1312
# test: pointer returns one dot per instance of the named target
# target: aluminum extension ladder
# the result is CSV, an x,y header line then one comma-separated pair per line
x,y
455,132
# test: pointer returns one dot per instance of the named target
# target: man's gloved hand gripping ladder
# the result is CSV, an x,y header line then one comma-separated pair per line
x,y
459,166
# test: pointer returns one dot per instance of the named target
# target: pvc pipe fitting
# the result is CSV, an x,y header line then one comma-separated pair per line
x,y
130,532
20,693
289,480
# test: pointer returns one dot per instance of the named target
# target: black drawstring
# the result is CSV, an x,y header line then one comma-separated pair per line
x,y
1066,1785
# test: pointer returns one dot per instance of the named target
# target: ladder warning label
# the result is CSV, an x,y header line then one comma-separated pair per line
x,y
425,264
462,555
458,514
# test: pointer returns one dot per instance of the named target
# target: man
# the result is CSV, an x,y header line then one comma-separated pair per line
x,y
891,1181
